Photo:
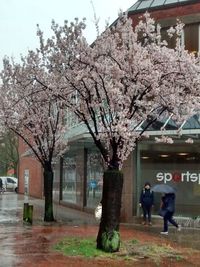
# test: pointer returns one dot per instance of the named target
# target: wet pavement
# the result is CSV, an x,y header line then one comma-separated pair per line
x,y
10,208
188,237
31,245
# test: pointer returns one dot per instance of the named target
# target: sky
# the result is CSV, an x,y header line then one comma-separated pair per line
x,y
18,20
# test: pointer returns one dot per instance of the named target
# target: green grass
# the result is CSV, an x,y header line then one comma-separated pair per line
x,y
79,247
129,250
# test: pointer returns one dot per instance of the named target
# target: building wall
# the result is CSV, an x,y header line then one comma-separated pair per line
x,y
29,163
170,13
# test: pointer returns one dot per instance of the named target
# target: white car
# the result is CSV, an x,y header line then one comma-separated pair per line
x,y
10,183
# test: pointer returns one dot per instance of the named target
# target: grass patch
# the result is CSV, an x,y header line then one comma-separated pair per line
x,y
79,247
129,250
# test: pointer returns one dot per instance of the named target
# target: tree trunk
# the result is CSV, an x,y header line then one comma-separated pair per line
x,y
108,238
48,194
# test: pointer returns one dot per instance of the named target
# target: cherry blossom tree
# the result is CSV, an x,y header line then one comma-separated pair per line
x,y
125,78
34,115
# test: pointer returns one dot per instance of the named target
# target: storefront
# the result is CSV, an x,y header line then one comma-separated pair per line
x,y
177,165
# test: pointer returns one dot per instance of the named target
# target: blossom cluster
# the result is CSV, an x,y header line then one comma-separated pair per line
x,y
118,86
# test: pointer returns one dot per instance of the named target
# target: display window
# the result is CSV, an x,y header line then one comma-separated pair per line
x,y
94,177
70,181
82,175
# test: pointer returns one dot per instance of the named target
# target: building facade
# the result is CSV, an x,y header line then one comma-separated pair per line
x,y
30,173
78,175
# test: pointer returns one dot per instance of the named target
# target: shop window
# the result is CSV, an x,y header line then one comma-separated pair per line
x,y
94,178
69,183
56,181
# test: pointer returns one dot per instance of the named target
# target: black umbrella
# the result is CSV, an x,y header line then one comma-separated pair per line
x,y
163,188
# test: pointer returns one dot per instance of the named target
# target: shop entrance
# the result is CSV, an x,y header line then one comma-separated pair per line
x,y
175,164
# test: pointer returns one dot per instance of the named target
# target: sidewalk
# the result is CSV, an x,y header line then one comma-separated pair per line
x,y
188,237
31,245
62,214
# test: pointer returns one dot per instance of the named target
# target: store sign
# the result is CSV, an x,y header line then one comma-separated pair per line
x,y
93,184
186,176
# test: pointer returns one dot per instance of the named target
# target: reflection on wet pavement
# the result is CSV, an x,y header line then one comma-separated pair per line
x,y
31,245
10,207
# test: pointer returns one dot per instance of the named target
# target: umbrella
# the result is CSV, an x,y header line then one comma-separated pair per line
x,y
163,188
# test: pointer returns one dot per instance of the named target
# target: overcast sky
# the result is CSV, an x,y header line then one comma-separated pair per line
x,y
18,19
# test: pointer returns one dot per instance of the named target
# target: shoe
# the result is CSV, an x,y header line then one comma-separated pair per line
x,y
150,224
164,233
144,223
179,228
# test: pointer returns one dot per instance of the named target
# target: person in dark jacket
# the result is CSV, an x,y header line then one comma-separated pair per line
x,y
168,208
146,202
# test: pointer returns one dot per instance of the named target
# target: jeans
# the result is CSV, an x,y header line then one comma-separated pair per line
x,y
146,212
169,218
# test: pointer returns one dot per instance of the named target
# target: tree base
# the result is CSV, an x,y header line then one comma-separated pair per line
x,y
111,241
108,238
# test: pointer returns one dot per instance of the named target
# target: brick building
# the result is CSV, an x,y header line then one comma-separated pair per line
x,y
78,176
30,173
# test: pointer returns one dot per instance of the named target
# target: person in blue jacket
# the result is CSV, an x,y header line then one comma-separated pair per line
x,y
168,208
146,202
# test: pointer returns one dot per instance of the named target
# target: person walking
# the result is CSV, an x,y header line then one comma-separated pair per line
x,y
146,202
167,211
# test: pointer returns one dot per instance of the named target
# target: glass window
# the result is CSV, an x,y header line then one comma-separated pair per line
x,y
145,4
9,180
169,124
192,123
69,184
134,7
170,41
70,119
177,165
94,177
191,34
56,181
157,3
167,2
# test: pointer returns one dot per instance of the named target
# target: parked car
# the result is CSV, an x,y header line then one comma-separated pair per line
x,y
10,183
